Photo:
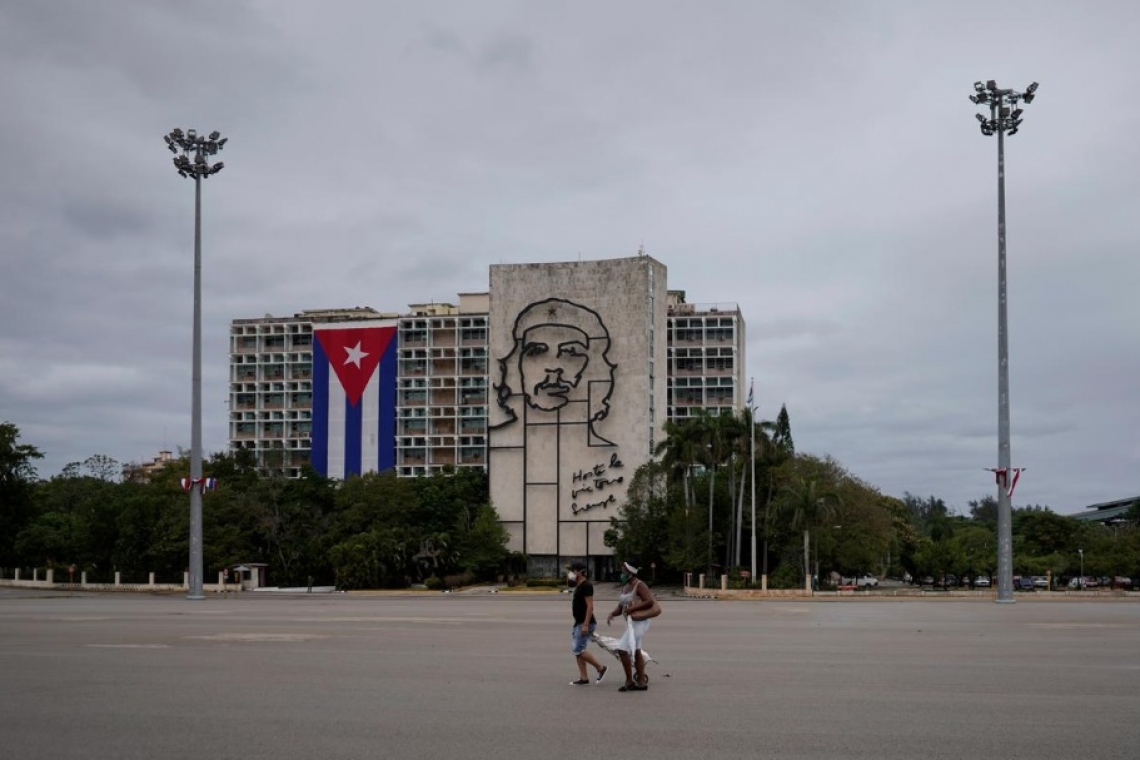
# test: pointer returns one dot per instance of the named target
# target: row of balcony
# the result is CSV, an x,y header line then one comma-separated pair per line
x,y
441,457
421,367
719,399
721,368
440,340
443,398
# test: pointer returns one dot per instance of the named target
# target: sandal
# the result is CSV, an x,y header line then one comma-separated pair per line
x,y
580,682
628,687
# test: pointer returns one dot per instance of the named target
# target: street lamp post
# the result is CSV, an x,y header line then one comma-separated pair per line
x,y
1005,118
1081,583
752,460
184,145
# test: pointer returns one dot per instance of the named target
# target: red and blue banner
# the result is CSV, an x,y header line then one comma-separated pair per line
x,y
354,399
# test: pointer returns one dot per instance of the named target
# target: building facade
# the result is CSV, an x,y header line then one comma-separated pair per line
x,y
441,407
557,380
706,358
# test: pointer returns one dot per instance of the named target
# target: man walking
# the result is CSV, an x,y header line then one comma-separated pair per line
x,y
584,624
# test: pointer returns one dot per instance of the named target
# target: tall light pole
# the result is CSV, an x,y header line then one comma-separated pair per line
x,y
1081,584
752,459
185,145
1005,118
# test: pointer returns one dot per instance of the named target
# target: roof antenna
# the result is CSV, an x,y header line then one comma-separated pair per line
x,y
641,249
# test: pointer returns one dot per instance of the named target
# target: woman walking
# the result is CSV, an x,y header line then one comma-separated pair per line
x,y
635,597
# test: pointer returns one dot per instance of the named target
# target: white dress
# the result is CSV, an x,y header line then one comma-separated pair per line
x,y
634,629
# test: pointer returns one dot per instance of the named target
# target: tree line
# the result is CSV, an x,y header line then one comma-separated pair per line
x,y
691,510
373,531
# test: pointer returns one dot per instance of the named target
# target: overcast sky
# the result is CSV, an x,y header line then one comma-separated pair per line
x,y
817,163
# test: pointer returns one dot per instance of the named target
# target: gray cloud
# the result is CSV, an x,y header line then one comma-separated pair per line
x,y
817,163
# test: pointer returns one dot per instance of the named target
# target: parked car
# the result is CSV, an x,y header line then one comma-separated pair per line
x,y
982,581
867,580
1023,583
1121,582
1040,581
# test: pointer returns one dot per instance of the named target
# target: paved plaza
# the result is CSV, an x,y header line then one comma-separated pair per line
x,y
321,677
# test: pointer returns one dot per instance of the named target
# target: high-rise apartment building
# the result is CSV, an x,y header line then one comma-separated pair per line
x,y
441,404
706,358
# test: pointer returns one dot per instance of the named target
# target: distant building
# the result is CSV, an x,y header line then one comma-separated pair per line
x,y
1106,512
706,358
142,473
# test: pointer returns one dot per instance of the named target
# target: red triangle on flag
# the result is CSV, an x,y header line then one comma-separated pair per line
x,y
354,353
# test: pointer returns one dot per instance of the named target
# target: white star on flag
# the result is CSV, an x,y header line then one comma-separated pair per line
x,y
355,354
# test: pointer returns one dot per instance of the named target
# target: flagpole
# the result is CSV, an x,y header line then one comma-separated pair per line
x,y
752,456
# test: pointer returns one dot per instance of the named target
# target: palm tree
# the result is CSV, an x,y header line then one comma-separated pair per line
x,y
718,434
680,450
809,506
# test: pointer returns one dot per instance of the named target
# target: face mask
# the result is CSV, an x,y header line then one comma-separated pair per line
x,y
624,577
571,579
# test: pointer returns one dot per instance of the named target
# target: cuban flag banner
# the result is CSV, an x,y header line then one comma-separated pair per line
x,y
203,484
354,398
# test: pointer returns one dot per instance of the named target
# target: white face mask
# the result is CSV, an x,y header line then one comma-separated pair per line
x,y
571,579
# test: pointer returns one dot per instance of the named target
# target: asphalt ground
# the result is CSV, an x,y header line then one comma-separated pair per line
x,y
254,676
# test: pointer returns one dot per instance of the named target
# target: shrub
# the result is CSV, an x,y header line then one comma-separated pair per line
x,y
456,581
545,582
432,583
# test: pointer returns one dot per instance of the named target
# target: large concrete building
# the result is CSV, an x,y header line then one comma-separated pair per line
x,y
561,423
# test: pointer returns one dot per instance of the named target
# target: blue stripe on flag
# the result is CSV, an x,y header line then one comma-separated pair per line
x,y
319,435
387,423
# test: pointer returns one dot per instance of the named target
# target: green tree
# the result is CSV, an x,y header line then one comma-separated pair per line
x,y
984,510
808,504
17,477
782,432
643,530
681,449
481,542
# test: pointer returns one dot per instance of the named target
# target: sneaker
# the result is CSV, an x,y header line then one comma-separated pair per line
x,y
602,673
580,682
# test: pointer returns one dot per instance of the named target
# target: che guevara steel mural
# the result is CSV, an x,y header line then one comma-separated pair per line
x,y
557,381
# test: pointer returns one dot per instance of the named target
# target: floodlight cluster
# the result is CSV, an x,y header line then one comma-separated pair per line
x,y
1005,116
185,144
